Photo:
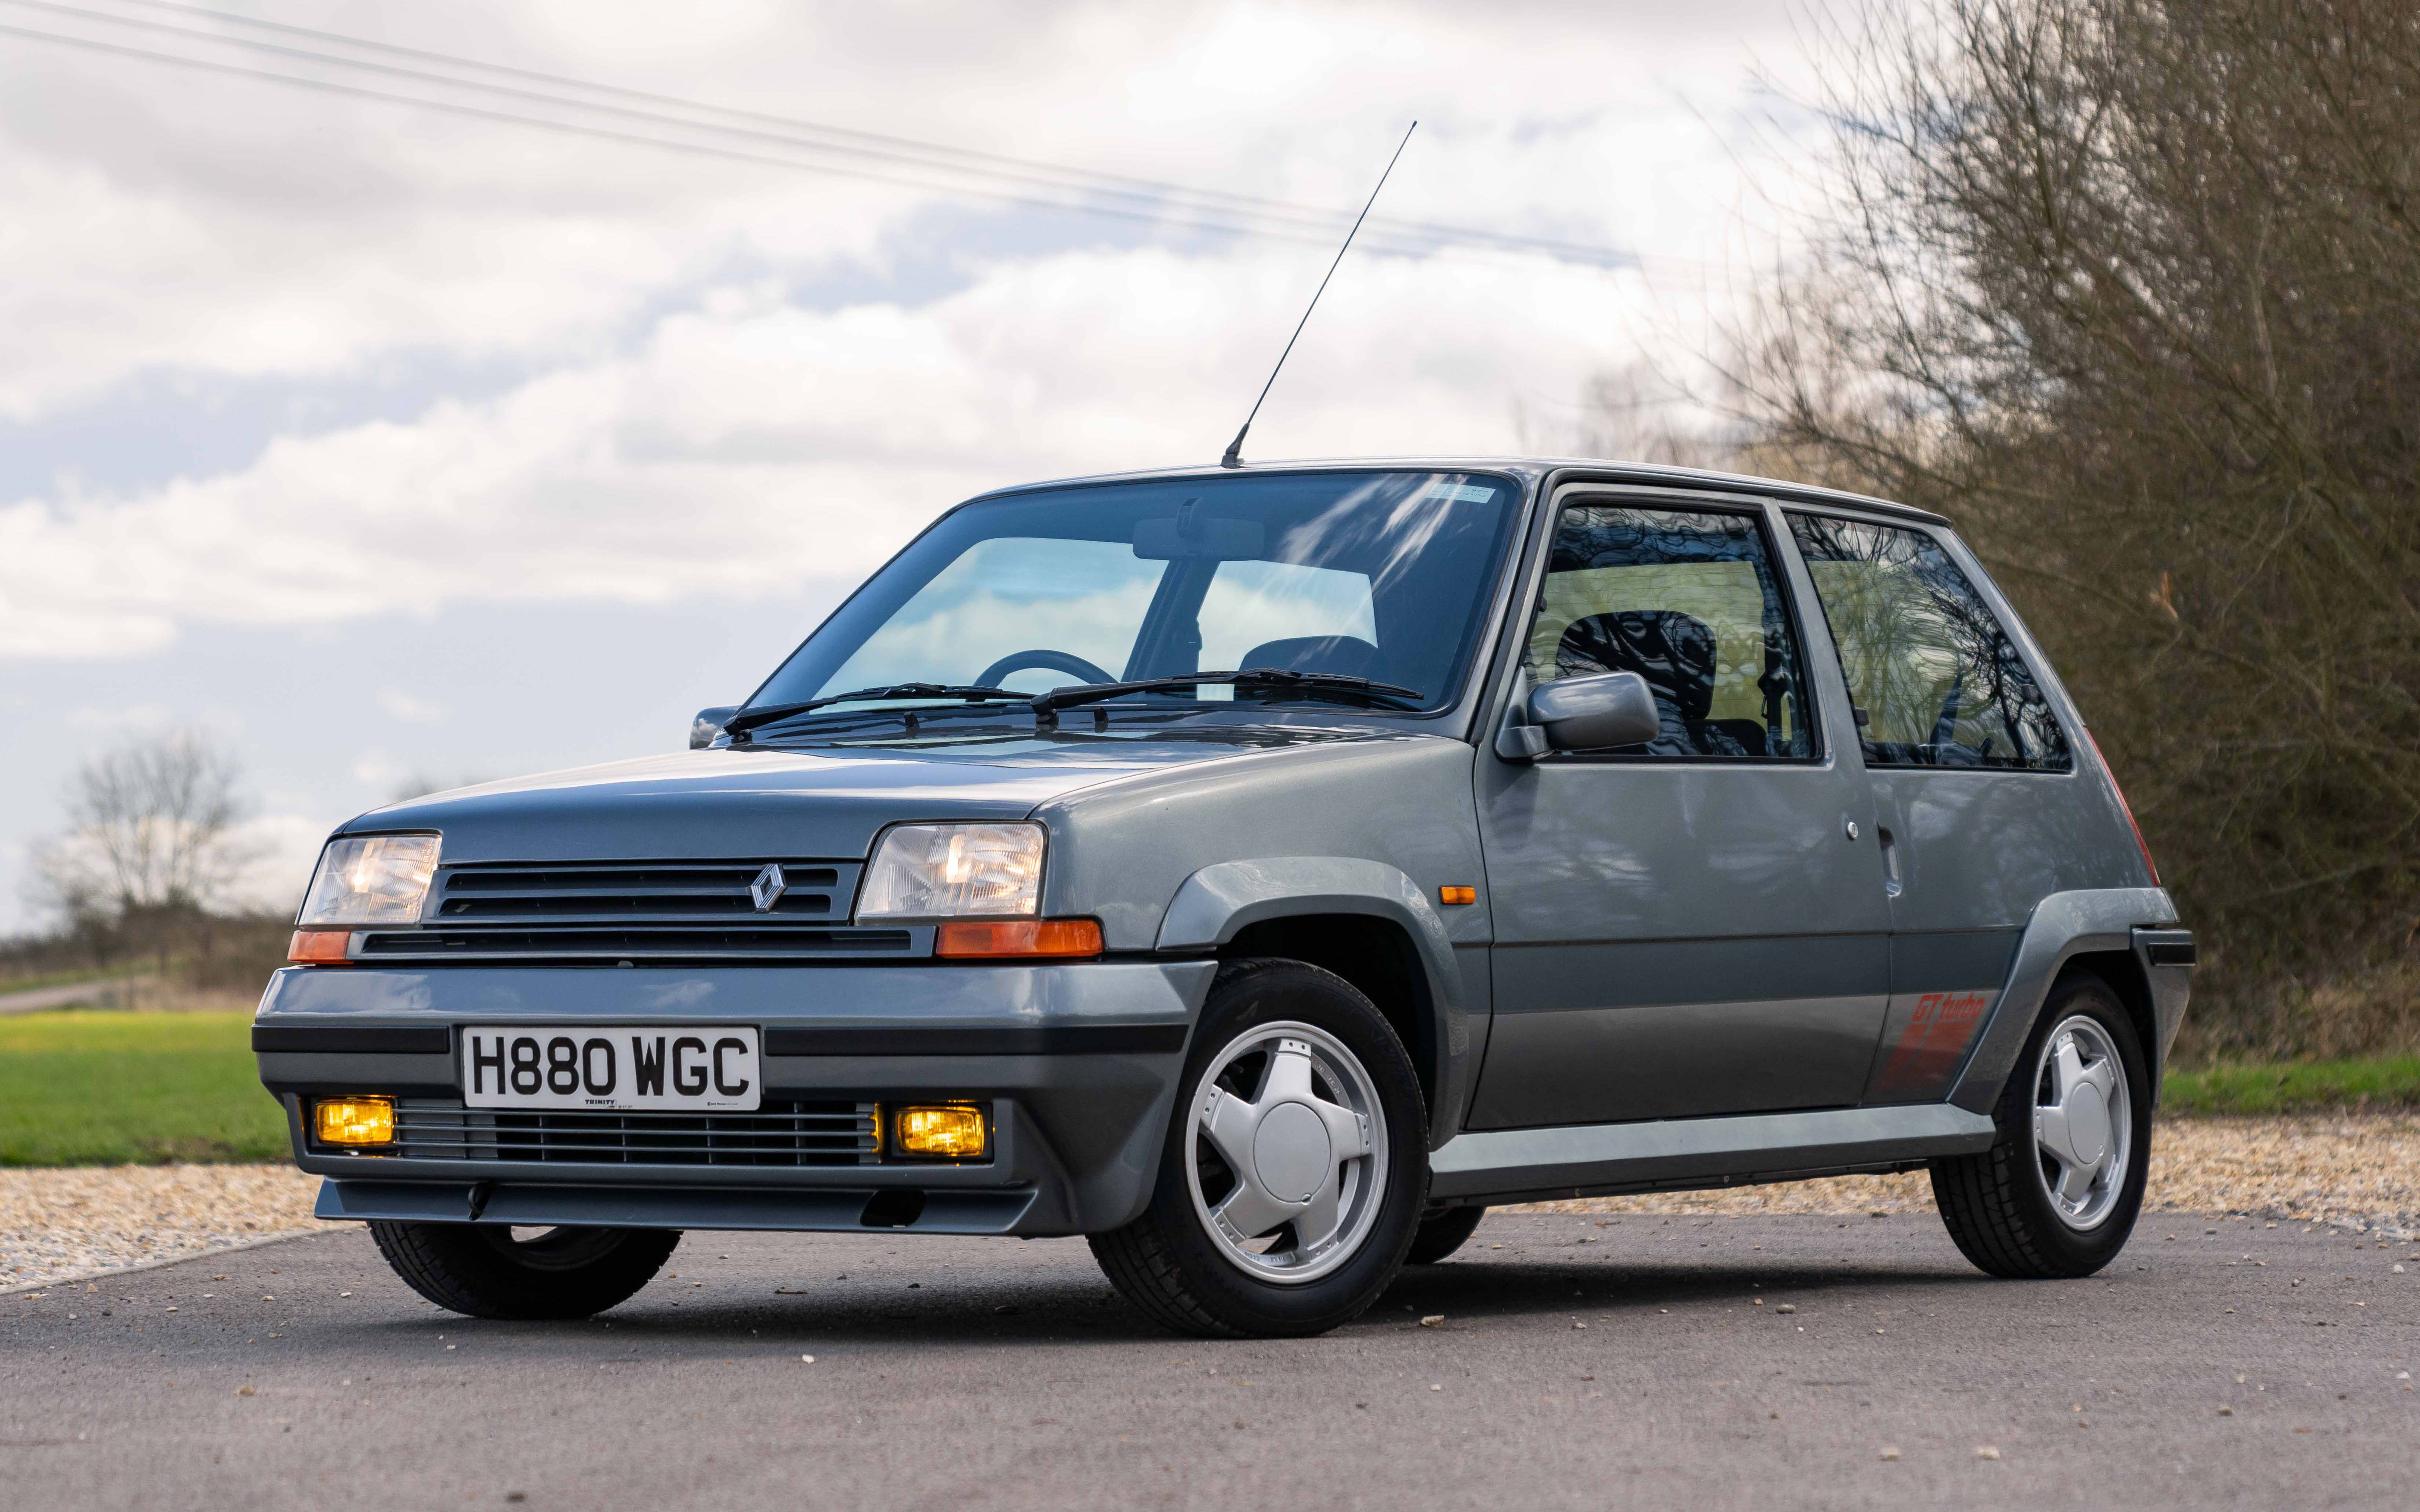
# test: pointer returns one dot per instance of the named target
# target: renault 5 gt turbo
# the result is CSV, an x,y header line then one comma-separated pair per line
x,y
1259,871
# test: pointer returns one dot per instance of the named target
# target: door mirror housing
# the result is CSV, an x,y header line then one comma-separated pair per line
x,y
1583,714
708,725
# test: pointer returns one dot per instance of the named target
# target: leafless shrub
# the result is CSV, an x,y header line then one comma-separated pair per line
x,y
2131,289
153,851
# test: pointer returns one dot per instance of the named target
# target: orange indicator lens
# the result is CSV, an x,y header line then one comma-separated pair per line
x,y
318,947
1457,895
979,940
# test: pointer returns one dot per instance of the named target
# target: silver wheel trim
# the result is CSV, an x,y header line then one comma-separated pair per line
x,y
2083,1123
1307,1149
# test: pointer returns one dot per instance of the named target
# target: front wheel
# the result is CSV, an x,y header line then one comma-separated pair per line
x,y
1442,1233
490,1270
1293,1174
2057,1196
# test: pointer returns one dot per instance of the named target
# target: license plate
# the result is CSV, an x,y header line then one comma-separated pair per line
x,y
711,1069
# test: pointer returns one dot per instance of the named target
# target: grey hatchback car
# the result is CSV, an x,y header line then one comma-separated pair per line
x,y
1260,871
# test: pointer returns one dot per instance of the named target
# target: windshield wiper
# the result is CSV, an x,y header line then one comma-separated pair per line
x,y
1333,688
739,725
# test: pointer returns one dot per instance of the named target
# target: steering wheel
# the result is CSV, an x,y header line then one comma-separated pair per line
x,y
1057,661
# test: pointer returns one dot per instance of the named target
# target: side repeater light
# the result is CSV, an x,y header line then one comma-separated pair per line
x,y
354,1121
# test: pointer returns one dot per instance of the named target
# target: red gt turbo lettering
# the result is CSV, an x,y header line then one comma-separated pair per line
x,y
1932,1043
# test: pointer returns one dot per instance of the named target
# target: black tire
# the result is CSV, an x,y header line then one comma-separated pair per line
x,y
1997,1205
480,1270
1441,1233
1167,1263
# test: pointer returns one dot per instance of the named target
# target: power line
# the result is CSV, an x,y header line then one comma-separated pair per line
x,y
1144,200
692,148
1086,176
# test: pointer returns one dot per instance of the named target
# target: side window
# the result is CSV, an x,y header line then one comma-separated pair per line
x,y
1686,600
1939,681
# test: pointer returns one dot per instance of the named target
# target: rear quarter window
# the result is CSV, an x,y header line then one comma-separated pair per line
x,y
1936,677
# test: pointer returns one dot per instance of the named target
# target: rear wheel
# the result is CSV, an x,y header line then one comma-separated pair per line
x,y
490,1270
1292,1173
2058,1195
1441,1233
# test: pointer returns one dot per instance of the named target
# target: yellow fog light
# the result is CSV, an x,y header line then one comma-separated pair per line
x,y
954,1131
356,1120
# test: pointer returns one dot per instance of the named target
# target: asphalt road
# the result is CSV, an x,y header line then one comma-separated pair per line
x,y
1586,1362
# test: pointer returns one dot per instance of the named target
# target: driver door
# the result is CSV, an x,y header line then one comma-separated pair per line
x,y
1696,925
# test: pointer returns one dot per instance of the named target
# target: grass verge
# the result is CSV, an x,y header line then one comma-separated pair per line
x,y
83,1088
2299,1086
100,1088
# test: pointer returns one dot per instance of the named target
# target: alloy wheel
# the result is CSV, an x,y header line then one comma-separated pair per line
x,y
2084,1125
1287,1152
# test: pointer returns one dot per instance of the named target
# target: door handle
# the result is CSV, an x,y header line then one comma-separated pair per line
x,y
1890,861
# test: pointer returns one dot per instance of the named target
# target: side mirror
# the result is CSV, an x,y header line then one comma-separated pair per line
x,y
1583,714
708,725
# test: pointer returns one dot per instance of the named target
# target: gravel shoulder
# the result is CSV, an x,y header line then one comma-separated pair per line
x,y
99,1219
2356,1172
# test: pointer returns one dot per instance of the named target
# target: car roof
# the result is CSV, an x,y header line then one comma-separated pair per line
x,y
1530,469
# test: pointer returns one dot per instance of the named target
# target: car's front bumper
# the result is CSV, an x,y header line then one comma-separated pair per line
x,y
1078,1063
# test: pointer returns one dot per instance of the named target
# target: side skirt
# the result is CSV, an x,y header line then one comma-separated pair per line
x,y
1594,1160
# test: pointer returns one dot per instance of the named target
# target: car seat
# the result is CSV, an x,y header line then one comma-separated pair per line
x,y
1676,653
1346,656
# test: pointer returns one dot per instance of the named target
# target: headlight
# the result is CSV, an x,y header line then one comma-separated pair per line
x,y
953,871
371,879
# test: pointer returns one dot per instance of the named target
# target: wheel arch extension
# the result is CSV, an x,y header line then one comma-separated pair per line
x,y
2103,930
1366,921
2124,976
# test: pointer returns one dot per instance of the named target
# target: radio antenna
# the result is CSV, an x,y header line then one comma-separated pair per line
x,y
1234,458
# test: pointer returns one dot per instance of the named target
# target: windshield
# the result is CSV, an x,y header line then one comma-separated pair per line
x,y
1372,574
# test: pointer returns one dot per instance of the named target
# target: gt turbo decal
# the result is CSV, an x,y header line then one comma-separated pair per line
x,y
1931,1044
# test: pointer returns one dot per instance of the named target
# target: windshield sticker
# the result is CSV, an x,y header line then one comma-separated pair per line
x,y
1461,493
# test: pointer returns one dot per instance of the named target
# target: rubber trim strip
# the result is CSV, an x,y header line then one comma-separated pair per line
x,y
349,1039
1067,1039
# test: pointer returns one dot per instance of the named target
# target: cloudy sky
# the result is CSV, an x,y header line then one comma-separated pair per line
x,y
499,426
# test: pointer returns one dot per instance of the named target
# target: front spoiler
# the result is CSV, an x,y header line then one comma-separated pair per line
x,y
679,1206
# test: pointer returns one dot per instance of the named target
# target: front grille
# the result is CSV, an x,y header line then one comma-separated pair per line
x,y
699,910
779,1134
692,944
675,891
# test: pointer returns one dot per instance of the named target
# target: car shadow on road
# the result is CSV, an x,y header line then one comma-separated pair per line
x,y
1073,1309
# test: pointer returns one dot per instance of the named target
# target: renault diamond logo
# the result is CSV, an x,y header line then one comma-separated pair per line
x,y
768,887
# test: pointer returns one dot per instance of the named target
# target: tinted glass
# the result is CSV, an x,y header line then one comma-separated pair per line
x,y
1686,600
1940,683
1376,575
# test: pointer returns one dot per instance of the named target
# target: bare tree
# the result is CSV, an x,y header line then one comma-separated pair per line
x,y
2131,288
153,849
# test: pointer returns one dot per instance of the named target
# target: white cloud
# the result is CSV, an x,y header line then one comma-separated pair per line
x,y
375,768
411,710
751,445
284,847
